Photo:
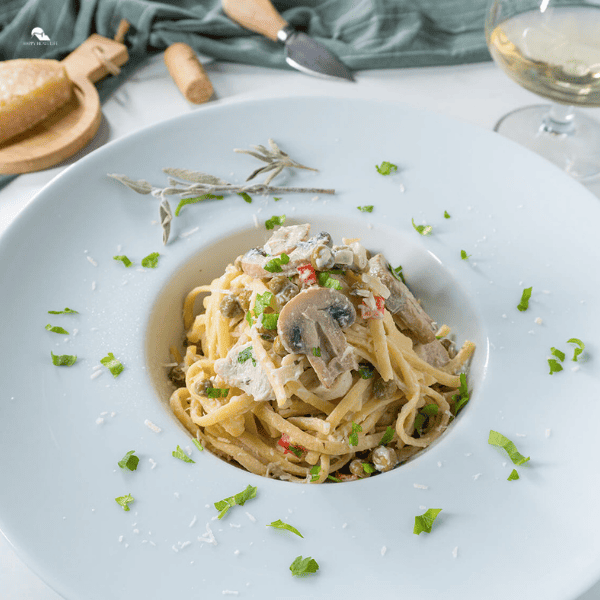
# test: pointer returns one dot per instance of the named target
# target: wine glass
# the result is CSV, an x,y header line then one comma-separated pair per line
x,y
551,48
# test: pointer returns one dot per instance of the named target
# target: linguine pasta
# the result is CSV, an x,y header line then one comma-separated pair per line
x,y
313,361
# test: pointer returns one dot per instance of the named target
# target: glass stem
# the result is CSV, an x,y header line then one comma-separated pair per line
x,y
560,120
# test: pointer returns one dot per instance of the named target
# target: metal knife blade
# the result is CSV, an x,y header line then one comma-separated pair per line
x,y
310,57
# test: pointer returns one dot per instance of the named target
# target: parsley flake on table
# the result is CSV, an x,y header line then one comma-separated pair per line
x,y
279,524
577,351
558,353
123,259
56,329
63,360
113,364
238,500
274,265
129,461
513,475
497,439
124,501
388,436
446,215
303,566
181,455
246,197
353,437
524,304
150,261
66,311
424,522
422,229
397,273
462,397
386,168
187,201
274,220
368,208
464,255
554,365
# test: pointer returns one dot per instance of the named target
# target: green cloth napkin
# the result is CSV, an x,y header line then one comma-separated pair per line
x,y
364,34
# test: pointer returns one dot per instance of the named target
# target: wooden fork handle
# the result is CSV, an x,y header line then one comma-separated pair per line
x,y
259,16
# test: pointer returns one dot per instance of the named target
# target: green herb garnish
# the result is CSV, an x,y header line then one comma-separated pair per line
x,y
332,478
366,371
353,437
181,455
325,280
274,265
368,208
150,261
424,522
124,501
368,468
397,273
554,365
386,168
112,364
558,353
63,360
123,259
279,524
186,201
246,354
464,255
212,392
246,197
462,397
497,439
303,566
446,215
577,351
239,499
67,311
129,461
56,329
422,229
314,473
316,352
524,304
388,436
513,475
276,199
274,220
198,444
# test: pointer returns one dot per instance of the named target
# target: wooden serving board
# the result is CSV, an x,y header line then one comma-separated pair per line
x,y
74,124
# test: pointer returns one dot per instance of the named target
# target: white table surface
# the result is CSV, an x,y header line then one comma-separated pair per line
x,y
478,94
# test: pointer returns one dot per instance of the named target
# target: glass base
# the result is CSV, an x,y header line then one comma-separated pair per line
x,y
573,145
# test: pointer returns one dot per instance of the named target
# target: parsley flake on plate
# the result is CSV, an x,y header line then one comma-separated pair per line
x,y
246,354
554,365
524,304
56,329
558,353
366,371
462,397
124,501
212,392
422,229
123,259
150,261
368,468
181,455
274,265
464,255
316,351
368,208
187,201
314,473
513,475
325,280
113,364
388,436
198,444
386,168
497,439
397,273
238,500
66,311
279,524
577,351
424,522
63,360
274,220
353,437
303,566
129,461
446,215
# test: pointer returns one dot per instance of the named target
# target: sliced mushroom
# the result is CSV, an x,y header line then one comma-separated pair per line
x,y
401,302
254,261
433,353
285,239
311,324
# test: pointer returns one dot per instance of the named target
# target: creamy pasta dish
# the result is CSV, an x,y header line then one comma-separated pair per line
x,y
312,361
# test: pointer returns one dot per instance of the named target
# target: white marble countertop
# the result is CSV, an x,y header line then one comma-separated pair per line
x,y
478,94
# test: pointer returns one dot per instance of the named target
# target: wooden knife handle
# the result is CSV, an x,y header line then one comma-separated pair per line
x,y
257,15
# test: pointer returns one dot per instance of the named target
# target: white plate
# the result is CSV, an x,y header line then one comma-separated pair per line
x,y
522,221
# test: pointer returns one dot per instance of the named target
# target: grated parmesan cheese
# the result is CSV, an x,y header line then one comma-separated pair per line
x,y
152,426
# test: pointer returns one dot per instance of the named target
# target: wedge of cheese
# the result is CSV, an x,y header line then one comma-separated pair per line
x,y
30,90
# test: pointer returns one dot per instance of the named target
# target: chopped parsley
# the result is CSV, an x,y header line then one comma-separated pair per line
x,y
524,304
274,265
198,444
279,524
262,301
150,261
577,351
181,455
513,475
316,352
112,364
462,397
386,168
246,354
424,522
464,255
554,365
56,329
124,501
446,215
497,439
366,371
303,566
332,478
314,473
63,360
397,273
123,259
422,229
276,199
368,208
325,280
353,437
558,353
246,197
129,461
186,201
368,468
274,220
67,311
388,436
212,392
238,500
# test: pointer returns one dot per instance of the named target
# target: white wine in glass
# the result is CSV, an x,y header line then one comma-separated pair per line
x,y
552,48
